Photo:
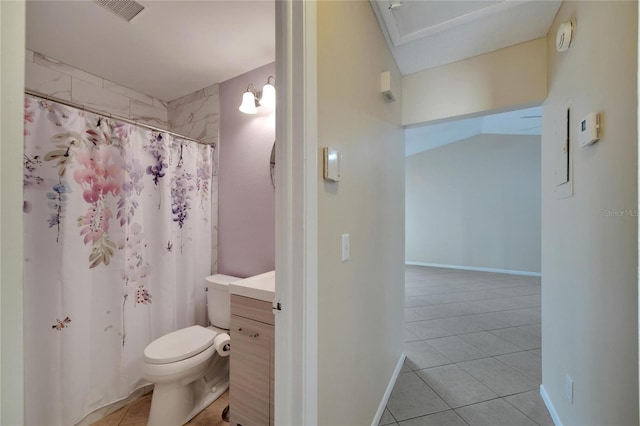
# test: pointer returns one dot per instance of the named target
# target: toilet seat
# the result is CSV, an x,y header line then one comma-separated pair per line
x,y
179,345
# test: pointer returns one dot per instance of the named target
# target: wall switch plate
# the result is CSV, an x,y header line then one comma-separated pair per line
x,y
332,160
345,247
568,389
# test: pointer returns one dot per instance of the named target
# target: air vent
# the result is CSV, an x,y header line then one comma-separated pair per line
x,y
126,9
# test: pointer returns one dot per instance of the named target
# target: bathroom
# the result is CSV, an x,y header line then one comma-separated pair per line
x,y
83,54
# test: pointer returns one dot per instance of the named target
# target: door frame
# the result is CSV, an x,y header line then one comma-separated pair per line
x,y
296,347
296,218
12,57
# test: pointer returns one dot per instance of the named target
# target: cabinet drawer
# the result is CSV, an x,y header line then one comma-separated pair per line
x,y
250,399
246,307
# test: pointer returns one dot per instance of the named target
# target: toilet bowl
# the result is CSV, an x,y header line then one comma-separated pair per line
x,y
187,371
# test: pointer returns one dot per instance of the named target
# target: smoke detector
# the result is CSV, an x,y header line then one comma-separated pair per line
x,y
564,35
125,9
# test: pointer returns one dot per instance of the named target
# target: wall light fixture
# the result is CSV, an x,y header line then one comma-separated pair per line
x,y
252,98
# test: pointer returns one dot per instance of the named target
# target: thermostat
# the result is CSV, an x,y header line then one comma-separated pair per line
x,y
387,87
589,129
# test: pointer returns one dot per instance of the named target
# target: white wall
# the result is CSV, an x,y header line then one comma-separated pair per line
x,y
589,240
361,301
12,28
514,76
476,203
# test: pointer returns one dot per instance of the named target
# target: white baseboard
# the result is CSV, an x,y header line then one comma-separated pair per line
x,y
387,393
550,407
475,268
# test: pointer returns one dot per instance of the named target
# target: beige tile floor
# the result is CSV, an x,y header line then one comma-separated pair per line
x,y
137,413
473,347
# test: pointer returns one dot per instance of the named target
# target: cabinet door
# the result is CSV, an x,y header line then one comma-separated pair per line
x,y
251,352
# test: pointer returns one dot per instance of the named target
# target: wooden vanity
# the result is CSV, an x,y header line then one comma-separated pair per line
x,y
252,353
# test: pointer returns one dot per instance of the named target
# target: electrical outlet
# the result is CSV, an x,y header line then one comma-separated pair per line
x,y
345,247
568,389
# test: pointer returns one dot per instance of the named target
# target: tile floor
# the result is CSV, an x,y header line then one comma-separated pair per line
x,y
472,341
137,413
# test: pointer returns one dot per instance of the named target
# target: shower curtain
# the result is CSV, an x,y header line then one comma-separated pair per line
x,y
117,243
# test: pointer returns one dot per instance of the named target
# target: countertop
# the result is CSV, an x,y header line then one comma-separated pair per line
x,y
261,287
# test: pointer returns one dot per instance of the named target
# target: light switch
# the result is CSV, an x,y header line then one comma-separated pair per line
x,y
345,247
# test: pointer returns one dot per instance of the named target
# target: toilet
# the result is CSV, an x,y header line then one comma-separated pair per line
x,y
190,367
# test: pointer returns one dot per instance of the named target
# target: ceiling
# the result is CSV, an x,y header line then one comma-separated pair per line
x,y
170,49
425,34
520,122
176,47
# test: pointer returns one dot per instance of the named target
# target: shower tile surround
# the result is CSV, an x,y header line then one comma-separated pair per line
x,y
57,79
196,115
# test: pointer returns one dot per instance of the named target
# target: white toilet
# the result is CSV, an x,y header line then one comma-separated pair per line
x,y
189,371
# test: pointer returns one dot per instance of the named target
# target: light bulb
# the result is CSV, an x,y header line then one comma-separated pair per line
x,y
248,105
268,98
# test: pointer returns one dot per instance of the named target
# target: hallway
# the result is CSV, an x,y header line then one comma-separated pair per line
x,y
472,341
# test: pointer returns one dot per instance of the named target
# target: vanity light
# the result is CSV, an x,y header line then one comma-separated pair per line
x,y
269,93
251,99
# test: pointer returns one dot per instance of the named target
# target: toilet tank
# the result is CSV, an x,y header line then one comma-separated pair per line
x,y
219,300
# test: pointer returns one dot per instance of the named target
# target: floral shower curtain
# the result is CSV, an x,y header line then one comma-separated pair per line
x,y
117,235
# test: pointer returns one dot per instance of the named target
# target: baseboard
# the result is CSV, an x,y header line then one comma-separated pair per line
x,y
387,393
475,268
550,407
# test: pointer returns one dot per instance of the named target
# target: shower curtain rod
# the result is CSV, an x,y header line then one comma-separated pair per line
x,y
104,114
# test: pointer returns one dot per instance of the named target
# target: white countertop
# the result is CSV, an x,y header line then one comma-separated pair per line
x,y
261,287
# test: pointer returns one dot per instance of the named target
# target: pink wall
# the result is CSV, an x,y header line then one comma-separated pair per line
x,y
246,198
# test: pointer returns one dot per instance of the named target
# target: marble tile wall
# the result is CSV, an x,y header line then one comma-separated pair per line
x,y
51,77
196,115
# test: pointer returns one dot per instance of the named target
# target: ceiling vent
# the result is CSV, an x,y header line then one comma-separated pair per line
x,y
126,9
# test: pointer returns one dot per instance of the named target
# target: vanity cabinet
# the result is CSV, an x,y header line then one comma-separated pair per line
x,y
252,360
